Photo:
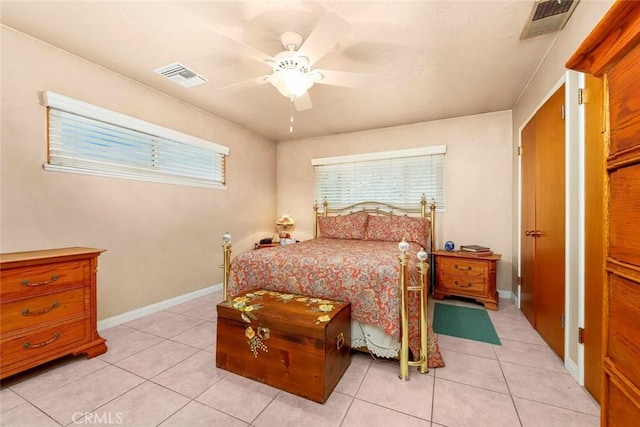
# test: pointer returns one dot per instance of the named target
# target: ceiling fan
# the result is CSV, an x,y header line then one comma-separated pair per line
x,y
292,72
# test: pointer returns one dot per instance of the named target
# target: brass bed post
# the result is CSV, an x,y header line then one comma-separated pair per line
x,y
226,254
315,220
325,205
432,219
404,311
404,286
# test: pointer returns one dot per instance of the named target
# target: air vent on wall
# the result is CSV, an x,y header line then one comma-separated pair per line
x,y
548,16
181,75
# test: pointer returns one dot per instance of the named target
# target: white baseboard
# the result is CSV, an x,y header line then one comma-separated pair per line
x,y
150,309
573,369
507,294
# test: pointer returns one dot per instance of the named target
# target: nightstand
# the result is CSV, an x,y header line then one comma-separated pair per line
x,y
266,245
466,275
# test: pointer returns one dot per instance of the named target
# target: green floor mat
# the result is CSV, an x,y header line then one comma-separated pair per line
x,y
464,322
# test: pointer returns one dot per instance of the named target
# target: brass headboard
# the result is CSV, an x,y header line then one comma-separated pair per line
x,y
380,208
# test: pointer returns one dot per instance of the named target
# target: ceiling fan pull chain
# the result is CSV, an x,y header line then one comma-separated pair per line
x,y
291,122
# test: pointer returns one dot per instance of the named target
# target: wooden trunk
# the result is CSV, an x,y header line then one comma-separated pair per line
x,y
298,344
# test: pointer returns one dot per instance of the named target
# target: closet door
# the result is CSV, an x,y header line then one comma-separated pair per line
x,y
528,242
550,219
543,222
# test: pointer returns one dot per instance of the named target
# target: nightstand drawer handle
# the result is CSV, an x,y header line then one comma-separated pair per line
x,y
468,285
26,283
27,312
463,269
27,344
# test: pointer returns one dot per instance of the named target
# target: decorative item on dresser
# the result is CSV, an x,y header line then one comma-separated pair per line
x,y
612,52
48,302
467,275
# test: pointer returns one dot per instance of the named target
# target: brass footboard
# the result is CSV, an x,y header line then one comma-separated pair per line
x,y
405,288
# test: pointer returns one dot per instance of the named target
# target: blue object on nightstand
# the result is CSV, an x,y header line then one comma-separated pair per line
x,y
449,246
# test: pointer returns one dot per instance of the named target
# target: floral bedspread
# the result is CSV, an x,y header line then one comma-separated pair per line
x,y
364,273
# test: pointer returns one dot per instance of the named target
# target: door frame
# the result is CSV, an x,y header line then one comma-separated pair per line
x,y
574,218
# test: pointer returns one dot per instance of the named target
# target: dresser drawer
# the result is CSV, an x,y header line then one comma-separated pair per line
x,y
466,284
24,282
43,309
43,342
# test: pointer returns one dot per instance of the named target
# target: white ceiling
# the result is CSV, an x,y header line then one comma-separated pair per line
x,y
430,59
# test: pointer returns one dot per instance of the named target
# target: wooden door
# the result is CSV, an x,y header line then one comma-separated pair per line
x,y
550,222
612,51
527,241
594,234
543,221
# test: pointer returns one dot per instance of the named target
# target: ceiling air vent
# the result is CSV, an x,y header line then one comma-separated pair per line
x,y
181,75
548,16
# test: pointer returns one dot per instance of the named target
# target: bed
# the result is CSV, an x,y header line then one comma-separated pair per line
x,y
371,254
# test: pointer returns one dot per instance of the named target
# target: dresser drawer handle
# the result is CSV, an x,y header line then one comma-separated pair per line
x,y
468,285
27,344
462,269
27,312
26,283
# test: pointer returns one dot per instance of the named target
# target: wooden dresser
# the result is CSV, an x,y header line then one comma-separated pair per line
x,y
48,307
466,276
612,52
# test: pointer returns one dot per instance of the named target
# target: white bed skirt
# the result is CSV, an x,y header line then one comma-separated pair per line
x,y
374,339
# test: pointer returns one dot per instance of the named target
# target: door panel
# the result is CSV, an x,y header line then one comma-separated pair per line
x,y
594,235
527,242
550,222
542,247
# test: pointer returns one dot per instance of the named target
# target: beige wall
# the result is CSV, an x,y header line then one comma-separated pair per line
x,y
162,240
477,177
586,15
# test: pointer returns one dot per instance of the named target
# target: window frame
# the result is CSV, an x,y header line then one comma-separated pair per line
x,y
439,176
89,112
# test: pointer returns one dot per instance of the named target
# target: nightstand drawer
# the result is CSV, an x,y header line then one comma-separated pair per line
x,y
461,266
463,284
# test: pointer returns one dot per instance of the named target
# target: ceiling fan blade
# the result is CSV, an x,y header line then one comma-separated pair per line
x,y
303,102
331,28
245,49
257,81
345,79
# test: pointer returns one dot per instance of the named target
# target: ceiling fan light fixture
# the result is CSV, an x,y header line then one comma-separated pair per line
x,y
291,83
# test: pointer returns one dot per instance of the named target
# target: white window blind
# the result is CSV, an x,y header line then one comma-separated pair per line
x,y
399,177
87,139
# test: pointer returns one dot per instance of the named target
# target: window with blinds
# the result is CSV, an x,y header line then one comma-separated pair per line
x,y
87,139
398,177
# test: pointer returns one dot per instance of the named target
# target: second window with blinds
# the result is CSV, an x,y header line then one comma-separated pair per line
x,y
397,177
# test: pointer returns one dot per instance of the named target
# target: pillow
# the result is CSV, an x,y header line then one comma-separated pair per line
x,y
395,228
413,229
349,227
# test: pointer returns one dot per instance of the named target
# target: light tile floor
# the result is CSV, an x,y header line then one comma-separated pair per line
x,y
160,370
